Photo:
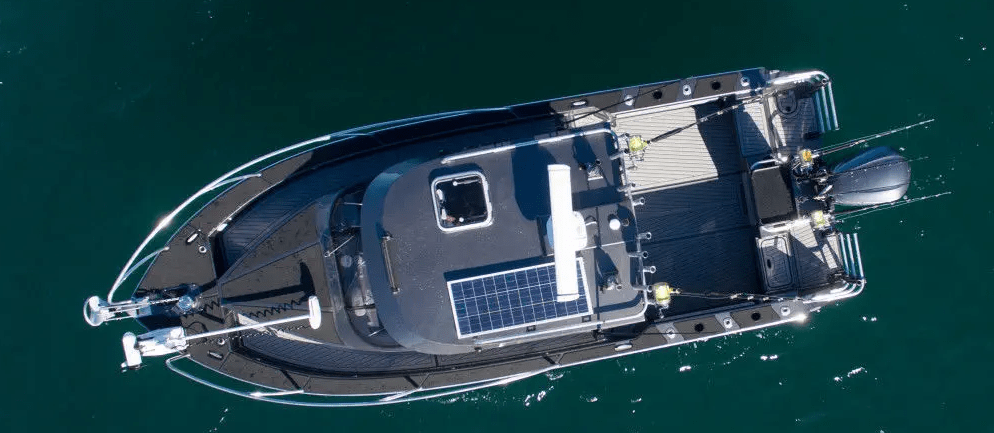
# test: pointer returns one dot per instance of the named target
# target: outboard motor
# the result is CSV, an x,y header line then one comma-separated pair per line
x,y
878,175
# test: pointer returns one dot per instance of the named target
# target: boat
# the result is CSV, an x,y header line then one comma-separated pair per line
x,y
432,256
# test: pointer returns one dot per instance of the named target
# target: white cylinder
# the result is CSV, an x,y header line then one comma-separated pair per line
x,y
132,356
314,312
563,230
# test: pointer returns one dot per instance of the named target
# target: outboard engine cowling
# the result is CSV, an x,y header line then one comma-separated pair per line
x,y
878,175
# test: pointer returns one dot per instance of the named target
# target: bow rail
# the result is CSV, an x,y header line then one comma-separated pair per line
x,y
253,169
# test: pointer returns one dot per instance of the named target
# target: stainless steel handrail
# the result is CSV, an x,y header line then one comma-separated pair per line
x,y
234,176
540,141
384,399
852,262
798,77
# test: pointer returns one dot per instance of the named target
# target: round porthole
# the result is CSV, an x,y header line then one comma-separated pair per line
x,y
756,316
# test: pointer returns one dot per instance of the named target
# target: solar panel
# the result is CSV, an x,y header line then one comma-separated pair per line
x,y
513,299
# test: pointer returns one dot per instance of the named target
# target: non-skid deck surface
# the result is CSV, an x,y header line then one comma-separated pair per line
x,y
691,210
815,256
753,130
697,153
792,127
702,238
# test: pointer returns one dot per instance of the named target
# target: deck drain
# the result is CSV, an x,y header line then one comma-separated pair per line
x,y
686,89
728,322
784,310
787,104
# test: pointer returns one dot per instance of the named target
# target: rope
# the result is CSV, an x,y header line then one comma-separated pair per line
x,y
731,296
744,296
270,331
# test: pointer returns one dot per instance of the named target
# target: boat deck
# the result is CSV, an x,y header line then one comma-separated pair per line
x,y
704,239
697,200
692,192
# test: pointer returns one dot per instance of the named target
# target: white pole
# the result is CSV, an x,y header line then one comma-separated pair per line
x,y
313,316
563,229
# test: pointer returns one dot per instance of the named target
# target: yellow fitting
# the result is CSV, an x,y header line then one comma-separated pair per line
x,y
637,144
819,219
662,292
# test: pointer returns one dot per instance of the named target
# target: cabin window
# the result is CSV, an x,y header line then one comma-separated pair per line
x,y
462,201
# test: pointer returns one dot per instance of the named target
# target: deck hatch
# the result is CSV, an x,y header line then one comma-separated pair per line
x,y
774,195
512,299
462,201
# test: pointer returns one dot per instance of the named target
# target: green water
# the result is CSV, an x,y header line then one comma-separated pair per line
x,y
112,112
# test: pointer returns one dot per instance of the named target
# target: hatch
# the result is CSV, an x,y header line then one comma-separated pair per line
x,y
462,201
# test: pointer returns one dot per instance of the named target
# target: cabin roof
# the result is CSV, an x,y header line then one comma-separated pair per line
x,y
412,259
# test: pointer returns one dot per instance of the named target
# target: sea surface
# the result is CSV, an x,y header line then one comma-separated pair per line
x,y
112,112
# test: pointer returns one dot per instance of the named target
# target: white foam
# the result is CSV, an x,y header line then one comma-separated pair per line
x,y
855,371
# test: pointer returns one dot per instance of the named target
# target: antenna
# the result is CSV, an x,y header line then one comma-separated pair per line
x,y
563,230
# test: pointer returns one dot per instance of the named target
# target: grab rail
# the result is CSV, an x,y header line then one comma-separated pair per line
x,y
373,399
239,174
852,263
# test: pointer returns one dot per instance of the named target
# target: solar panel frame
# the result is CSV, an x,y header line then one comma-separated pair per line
x,y
542,281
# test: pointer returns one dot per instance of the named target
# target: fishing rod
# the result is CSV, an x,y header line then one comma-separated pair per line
x,y
855,170
853,213
842,146
705,118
